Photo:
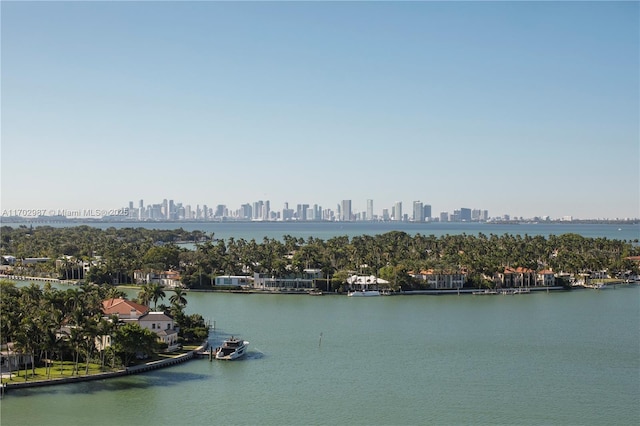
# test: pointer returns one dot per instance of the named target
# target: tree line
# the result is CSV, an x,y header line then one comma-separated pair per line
x,y
116,253
50,325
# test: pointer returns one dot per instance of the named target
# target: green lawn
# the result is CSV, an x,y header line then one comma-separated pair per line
x,y
55,372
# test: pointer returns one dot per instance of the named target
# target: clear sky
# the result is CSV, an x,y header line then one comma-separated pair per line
x,y
518,108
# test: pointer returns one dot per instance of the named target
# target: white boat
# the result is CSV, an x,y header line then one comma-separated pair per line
x,y
484,292
232,349
363,293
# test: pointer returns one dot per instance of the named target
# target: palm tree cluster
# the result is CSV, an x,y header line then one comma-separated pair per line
x,y
113,253
49,324
395,254
391,255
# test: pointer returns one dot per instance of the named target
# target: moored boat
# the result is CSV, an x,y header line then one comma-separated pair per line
x,y
363,293
232,349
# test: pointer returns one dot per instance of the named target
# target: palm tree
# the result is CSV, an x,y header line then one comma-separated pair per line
x,y
144,295
151,292
178,297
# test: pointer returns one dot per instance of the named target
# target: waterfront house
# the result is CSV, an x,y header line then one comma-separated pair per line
x,y
289,282
243,281
124,309
545,278
170,278
441,280
127,311
11,358
8,260
365,282
163,325
515,277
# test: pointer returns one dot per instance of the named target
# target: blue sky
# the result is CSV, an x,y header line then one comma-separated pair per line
x,y
519,108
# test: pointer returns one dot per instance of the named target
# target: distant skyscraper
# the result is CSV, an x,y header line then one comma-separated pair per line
x,y
385,214
346,211
257,209
418,211
246,212
465,214
165,208
369,210
444,217
397,211
172,210
427,212
287,213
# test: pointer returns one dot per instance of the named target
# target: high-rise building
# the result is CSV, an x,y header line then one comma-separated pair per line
x,y
287,213
311,213
418,211
172,210
257,209
385,214
397,211
165,209
266,210
246,212
369,210
345,211
427,212
444,217
465,214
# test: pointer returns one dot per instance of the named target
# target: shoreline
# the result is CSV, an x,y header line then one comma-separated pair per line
x,y
291,292
137,369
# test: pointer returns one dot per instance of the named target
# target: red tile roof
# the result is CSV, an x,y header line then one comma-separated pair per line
x,y
122,307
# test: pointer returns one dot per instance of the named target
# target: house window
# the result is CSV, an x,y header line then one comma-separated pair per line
x,y
153,326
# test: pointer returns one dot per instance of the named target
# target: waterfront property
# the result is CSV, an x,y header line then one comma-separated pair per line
x,y
290,282
159,322
12,359
242,281
441,280
365,282
163,325
169,279
524,277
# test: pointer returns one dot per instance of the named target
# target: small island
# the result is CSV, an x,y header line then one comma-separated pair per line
x,y
52,336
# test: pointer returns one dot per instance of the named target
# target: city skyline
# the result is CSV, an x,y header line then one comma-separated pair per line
x,y
526,108
263,210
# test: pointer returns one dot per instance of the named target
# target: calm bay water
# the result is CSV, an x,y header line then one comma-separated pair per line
x,y
557,358
326,230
